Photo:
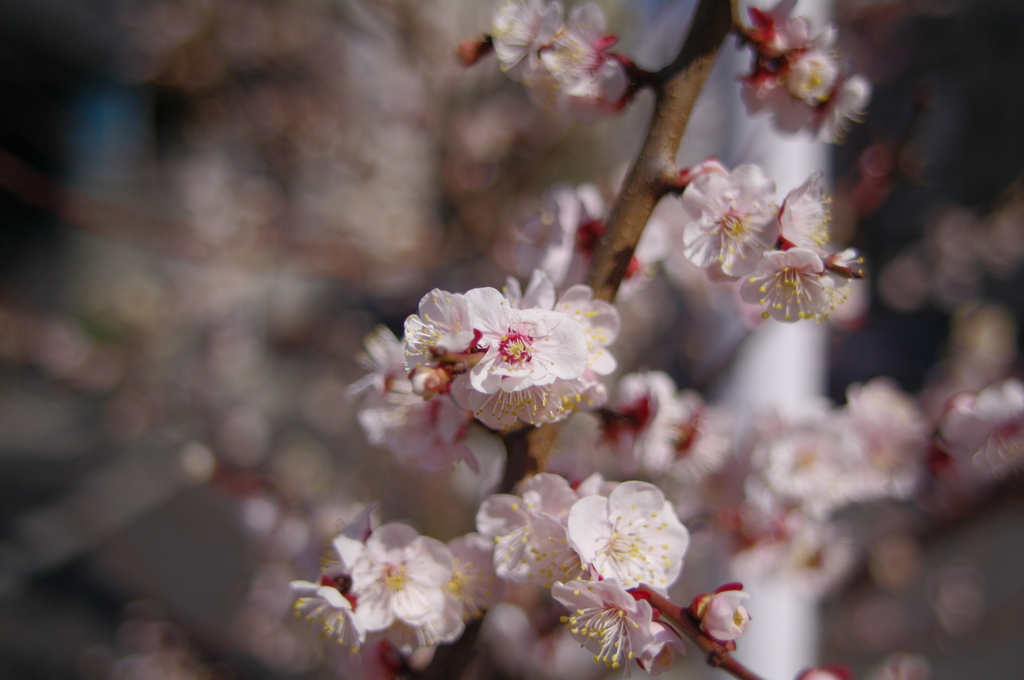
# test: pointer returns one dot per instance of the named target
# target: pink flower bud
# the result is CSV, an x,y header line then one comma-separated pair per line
x,y
428,381
721,615
472,51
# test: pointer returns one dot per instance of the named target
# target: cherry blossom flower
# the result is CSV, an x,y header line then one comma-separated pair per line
x,y
427,434
474,585
596,485
987,428
607,620
732,219
442,325
792,285
687,439
799,80
438,630
540,291
525,347
561,235
633,535
658,656
400,577
519,30
579,61
600,322
605,98
775,32
550,556
721,614
892,435
811,73
507,520
810,555
333,611
804,217
849,99
546,238
385,359
329,601
807,464
639,400
762,92
668,432
533,404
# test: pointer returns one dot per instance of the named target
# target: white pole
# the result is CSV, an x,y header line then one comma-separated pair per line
x,y
780,365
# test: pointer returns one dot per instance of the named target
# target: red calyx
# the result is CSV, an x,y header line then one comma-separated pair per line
x,y
587,236
640,594
735,585
477,335
633,268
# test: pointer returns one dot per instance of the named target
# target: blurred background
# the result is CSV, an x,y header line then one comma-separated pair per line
x,y
206,204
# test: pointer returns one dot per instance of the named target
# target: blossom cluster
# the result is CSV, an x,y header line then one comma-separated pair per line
x,y
392,584
427,434
655,428
501,357
823,459
735,230
567,67
986,430
559,237
797,78
511,356
569,70
590,545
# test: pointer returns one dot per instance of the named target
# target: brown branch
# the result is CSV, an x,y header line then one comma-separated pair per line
x,y
715,654
676,89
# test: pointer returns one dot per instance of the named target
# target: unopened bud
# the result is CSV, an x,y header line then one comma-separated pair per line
x,y
472,51
706,167
721,614
428,381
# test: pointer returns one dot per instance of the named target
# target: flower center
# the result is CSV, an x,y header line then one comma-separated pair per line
x,y
515,348
610,626
734,224
686,435
394,576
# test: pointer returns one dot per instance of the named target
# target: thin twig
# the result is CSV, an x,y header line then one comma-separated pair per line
x,y
715,654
